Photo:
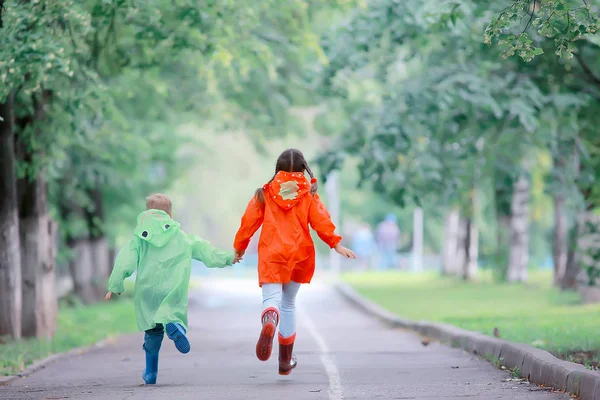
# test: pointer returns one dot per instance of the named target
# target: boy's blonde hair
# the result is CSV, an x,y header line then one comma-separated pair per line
x,y
159,201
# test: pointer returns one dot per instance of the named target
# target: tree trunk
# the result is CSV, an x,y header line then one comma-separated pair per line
x,y
519,235
460,259
10,255
81,264
38,263
569,280
470,250
82,269
101,265
450,243
40,306
100,257
560,233
572,267
470,239
503,245
588,256
473,253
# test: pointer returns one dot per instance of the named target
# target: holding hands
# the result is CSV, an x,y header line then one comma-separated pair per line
x,y
239,256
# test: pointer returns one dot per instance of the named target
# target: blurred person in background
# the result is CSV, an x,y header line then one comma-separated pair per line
x,y
363,244
388,240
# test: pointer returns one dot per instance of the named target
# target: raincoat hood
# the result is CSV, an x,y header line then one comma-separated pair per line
x,y
287,188
156,227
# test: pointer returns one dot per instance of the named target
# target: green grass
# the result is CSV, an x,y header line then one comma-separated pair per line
x,y
535,313
77,326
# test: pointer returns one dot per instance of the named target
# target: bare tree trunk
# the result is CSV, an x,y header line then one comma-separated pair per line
x,y
519,237
588,256
81,264
99,246
450,243
462,243
10,255
569,280
560,233
82,269
470,250
473,253
100,257
572,267
468,268
38,264
40,306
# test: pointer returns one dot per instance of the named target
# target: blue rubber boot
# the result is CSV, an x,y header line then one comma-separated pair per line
x,y
176,333
152,343
151,372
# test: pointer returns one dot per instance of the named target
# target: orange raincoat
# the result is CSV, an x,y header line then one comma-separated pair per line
x,y
286,251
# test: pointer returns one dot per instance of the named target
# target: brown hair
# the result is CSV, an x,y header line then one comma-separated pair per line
x,y
291,160
159,201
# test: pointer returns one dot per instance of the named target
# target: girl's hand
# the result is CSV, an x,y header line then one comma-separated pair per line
x,y
347,253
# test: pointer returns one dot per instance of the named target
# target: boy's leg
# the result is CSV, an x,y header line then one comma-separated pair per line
x,y
287,328
269,319
176,333
152,341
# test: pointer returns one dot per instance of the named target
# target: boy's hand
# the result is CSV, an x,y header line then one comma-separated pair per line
x,y
347,253
237,259
109,294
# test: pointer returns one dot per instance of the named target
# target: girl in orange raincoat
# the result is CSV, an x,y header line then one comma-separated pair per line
x,y
285,207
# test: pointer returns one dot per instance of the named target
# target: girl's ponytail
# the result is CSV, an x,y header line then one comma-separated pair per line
x,y
259,194
313,181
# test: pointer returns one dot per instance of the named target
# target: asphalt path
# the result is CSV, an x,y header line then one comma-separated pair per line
x,y
342,354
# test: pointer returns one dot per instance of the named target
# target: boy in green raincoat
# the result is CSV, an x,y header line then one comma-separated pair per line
x,y
162,254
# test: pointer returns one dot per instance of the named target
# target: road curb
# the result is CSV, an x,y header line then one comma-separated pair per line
x,y
536,365
41,364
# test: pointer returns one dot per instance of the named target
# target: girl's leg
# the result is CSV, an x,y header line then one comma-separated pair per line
x,y
269,318
287,329
271,293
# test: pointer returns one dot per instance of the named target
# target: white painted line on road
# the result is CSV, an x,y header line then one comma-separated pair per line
x,y
335,382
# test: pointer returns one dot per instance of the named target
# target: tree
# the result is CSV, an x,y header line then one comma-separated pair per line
x,y
99,88
564,21
10,255
438,127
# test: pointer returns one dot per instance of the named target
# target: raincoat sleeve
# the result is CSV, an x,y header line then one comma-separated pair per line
x,y
125,264
251,221
208,255
320,221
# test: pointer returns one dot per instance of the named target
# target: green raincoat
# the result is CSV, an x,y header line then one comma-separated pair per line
x,y
162,254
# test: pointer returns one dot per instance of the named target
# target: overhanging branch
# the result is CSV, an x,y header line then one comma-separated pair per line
x,y
592,77
2,9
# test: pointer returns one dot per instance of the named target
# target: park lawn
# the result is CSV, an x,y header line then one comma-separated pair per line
x,y
76,326
534,313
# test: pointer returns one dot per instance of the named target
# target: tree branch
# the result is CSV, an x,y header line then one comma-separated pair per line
x,y
531,16
587,69
2,9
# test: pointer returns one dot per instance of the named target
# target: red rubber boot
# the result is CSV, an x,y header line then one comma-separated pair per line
x,y
287,360
264,346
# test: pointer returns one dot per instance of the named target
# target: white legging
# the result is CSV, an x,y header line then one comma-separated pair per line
x,y
283,298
